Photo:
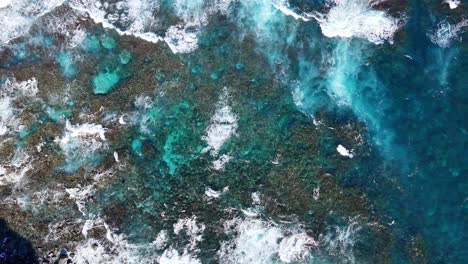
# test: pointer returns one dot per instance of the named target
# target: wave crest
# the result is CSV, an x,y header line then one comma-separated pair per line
x,y
347,19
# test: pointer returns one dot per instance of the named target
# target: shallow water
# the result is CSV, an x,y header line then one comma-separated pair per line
x,y
228,131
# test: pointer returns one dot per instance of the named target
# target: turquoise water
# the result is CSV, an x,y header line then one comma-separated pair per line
x,y
213,132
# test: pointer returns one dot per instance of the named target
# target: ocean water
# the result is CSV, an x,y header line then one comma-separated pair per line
x,y
233,131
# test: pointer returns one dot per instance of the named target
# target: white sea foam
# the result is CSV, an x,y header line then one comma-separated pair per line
x,y
81,195
5,3
172,256
80,142
60,229
161,240
31,201
356,18
116,157
283,6
344,152
138,16
452,3
223,125
88,134
296,247
18,16
121,120
13,97
316,193
115,248
298,96
341,240
219,163
83,131
11,91
445,33
120,251
192,228
181,38
112,249
15,171
257,242
261,241
128,17
208,192
7,117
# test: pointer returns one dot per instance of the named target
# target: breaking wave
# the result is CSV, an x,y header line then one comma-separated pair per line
x,y
357,18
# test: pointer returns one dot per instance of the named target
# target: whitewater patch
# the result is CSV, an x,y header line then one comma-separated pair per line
x,y
137,18
212,193
344,152
120,251
261,241
14,96
172,256
223,126
295,247
114,248
257,240
5,3
18,16
80,143
14,171
192,228
452,3
283,6
221,162
133,17
84,134
11,91
445,33
356,18
181,38
340,240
